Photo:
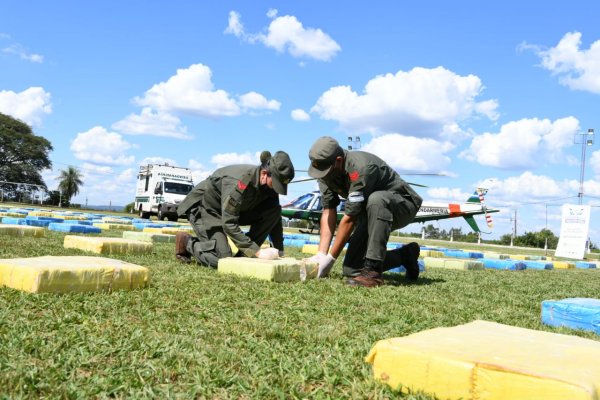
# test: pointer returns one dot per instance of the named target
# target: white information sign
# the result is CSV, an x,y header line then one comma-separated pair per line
x,y
574,231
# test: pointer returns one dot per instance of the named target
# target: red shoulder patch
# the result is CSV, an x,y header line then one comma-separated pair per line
x,y
241,185
353,176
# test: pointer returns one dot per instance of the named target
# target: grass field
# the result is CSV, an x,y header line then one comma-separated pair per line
x,y
197,334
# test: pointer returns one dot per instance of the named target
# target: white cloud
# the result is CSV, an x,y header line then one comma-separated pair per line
x,y
410,154
223,159
286,33
152,123
595,163
99,146
158,160
529,187
18,50
420,102
234,26
300,115
256,101
191,91
443,194
116,190
29,106
94,169
577,69
199,171
524,143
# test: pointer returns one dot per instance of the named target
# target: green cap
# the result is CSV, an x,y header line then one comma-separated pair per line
x,y
282,171
322,156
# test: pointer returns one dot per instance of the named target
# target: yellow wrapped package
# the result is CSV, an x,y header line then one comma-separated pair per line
x,y
122,227
104,245
431,253
452,263
279,270
487,360
149,237
66,274
22,230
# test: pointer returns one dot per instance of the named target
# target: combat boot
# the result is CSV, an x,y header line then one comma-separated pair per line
x,y
370,275
410,260
407,256
181,253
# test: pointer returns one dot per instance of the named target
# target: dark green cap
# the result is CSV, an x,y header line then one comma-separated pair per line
x,y
322,156
282,171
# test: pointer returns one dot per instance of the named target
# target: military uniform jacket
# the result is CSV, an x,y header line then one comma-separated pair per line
x,y
228,192
365,173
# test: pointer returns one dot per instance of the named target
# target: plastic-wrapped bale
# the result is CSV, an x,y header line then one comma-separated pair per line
x,y
496,256
172,230
519,257
511,265
22,230
40,213
77,222
66,274
431,253
294,242
280,270
114,220
462,254
530,264
401,269
576,313
13,221
448,263
563,264
585,265
122,227
74,228
489,360
310,248
149,237
104,245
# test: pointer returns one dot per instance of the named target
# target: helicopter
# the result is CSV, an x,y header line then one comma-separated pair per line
x,y
308,207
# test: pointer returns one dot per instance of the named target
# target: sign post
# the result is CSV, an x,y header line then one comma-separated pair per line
x,y
574,231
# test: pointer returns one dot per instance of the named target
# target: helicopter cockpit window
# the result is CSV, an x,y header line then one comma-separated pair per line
x,y
318,205
303,202
342,205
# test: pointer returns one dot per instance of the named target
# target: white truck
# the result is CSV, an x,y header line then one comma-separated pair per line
x,y
160,189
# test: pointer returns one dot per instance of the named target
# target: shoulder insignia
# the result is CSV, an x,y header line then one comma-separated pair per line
x,y
353,176
241,185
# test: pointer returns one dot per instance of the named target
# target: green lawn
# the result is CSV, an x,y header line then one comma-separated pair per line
x,y
196,333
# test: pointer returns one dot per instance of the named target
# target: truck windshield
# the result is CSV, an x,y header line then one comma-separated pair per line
x,y
177,188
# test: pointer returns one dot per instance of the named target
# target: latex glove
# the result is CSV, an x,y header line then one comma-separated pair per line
x,y
268,253
316,258
325,264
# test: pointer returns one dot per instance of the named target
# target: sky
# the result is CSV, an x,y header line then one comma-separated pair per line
x,y
489,95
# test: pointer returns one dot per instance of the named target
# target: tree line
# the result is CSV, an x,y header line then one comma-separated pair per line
x,y
23,157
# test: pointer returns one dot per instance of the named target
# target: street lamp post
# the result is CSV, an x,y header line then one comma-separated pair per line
x,y
587,139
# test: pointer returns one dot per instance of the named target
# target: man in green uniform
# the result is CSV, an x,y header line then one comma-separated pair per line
x,y
233,196
378,201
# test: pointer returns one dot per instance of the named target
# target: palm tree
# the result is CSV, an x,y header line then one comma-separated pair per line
x,y
69,182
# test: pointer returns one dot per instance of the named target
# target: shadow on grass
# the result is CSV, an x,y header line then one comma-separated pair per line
x,y
400,280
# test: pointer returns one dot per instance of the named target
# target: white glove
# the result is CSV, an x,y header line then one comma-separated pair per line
x,y
269,253
325,262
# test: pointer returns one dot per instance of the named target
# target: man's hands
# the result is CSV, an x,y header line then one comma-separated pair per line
x,y
325,262
268,253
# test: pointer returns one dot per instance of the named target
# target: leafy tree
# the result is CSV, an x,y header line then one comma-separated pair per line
x,y
23,155
129,208
69,182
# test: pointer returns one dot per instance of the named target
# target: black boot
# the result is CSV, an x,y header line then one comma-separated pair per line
x,y
181,253
407,256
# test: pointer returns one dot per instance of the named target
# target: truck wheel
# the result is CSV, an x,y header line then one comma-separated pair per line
x,y
173,219
161,216
143,214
